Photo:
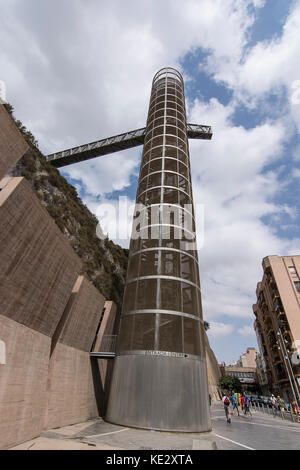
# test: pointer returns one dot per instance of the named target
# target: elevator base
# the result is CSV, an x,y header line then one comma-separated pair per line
x,y
160,393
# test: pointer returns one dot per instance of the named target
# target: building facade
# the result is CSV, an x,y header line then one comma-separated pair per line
x,y
246,375
160,374
277,324
248,359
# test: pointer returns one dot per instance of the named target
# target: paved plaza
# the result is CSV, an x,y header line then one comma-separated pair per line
x,y
259,432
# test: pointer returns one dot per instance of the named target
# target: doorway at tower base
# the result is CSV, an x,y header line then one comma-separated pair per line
x,y
160,393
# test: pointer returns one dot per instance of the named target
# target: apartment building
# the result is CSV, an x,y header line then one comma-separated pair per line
x,y
277,324
248,359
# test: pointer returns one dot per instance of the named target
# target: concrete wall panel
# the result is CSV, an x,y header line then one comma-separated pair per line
x,y
12,144
23,380
38,265
71,395
83,314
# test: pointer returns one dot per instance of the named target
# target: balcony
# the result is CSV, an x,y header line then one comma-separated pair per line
x,y
275,295
281,376
270,280
277,360
278,307
269,327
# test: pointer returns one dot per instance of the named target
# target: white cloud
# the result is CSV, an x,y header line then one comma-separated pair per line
x,y
217,330
269,66
80,71
228,179
246,331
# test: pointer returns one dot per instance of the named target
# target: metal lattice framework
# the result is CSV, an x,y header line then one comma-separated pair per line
x,y
116,143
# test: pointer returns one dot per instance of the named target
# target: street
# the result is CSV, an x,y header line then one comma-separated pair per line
x,y
261,432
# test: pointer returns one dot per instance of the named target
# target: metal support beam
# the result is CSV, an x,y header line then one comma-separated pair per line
x,y
115,144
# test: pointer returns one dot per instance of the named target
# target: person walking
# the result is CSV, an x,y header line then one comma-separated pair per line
x,y
280,403
273,401
226,403
247,405
242,401
235,403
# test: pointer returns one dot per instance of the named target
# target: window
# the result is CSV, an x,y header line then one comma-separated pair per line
x,y
293,271
297,285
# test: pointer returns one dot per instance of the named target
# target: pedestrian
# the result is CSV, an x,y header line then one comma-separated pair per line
x,y
273,401
247,405
242,401
280,404
235,403
226,403
295,409
209,396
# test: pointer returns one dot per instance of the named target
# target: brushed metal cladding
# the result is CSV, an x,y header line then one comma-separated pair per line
x,y
160,377
159,393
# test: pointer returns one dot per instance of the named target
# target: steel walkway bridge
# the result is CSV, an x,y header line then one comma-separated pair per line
x,y
115,144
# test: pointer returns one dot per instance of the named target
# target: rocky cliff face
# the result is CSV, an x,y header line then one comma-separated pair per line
x,y
104,263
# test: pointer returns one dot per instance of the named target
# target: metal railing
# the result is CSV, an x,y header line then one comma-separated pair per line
x,y
116,143
283,414
107,347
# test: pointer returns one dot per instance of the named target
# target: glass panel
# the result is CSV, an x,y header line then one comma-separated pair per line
x,y
170,164
170,333
171,130
148,241
153,196
170,140
126,333
143,332
192,337
129,297
182,156
135,244
158,131
170,263
133,267
170,179
169,241
149,263
156,153
188,268
189,297
170,295
146,294
170,195
184,199
183,184
155,165
154,180
137,332
157,141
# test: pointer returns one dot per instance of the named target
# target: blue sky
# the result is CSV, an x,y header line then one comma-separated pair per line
x,y
77,71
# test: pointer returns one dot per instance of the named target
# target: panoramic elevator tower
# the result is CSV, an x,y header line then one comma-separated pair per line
x,y
160,377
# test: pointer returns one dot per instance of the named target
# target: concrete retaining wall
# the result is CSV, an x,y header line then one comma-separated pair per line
x,y
12,144
23,380
48,321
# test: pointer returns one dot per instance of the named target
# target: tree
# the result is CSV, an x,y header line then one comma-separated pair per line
x,y
230,383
